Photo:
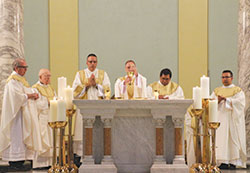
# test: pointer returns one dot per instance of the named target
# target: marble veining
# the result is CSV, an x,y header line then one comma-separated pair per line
x,y
11,38
244,60
133,144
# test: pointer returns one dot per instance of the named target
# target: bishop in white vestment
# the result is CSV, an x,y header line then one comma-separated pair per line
x,y
131,86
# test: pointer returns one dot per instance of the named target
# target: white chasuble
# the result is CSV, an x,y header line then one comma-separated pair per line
x,y
46,93
231,135
19,128
137,89
101,90
172,90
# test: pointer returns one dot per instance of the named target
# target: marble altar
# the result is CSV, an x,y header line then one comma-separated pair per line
x,y
132,136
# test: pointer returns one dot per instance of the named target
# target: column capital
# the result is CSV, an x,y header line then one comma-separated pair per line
x,y
88,122
178,122
107,121
159,122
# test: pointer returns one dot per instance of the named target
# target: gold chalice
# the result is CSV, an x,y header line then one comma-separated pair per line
x,y
107,94
130,74
156,94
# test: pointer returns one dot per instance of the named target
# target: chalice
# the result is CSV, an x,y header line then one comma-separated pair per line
x,y
130,74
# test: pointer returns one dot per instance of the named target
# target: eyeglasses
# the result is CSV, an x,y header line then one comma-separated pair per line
x,y
20,66
165,78
226,77
92,62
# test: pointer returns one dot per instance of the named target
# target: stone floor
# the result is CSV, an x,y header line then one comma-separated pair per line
x,y
27,169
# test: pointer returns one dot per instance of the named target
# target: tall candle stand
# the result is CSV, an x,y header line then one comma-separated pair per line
x,y
71,166
61,167
62,163
213,126
206,136
197,166
55,167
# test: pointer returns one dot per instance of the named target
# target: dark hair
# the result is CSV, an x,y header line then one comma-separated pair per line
x,y
130,61
228,71
166,71
92,54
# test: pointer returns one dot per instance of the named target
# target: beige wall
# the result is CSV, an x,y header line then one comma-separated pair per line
x,y
145,30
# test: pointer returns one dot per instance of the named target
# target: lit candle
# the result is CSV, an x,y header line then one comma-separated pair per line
x,y
61,110
197,98
69,97
204,86
62,82
53,110
213,109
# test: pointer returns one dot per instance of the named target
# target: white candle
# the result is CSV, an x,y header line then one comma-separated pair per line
x,y
53,110
68,92
61,110
197,98
62,82
213,109
204,82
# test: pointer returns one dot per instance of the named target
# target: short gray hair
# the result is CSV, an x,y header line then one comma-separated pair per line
x,y
17,62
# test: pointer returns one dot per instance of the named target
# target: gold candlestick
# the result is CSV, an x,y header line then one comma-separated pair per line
x,y
213,126
206,136
62,164
198,166
54,168
71,166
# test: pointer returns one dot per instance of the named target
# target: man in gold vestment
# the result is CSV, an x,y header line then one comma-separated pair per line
x,y
19,129
231,135
165,88
131,86
93,84
46,93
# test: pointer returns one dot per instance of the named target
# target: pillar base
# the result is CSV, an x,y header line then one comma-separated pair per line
x,y
107,160
179,159
98,168
169,168
159,159
88,160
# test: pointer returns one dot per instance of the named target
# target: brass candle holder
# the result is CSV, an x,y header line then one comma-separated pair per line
x,y
203,163
197,166
206,136
70,159
61,166
55,167
62,162
213,126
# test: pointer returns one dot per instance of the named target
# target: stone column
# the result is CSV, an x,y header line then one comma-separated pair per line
x,y
11,38
244,61
179,141
88,149
107,140
159,139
